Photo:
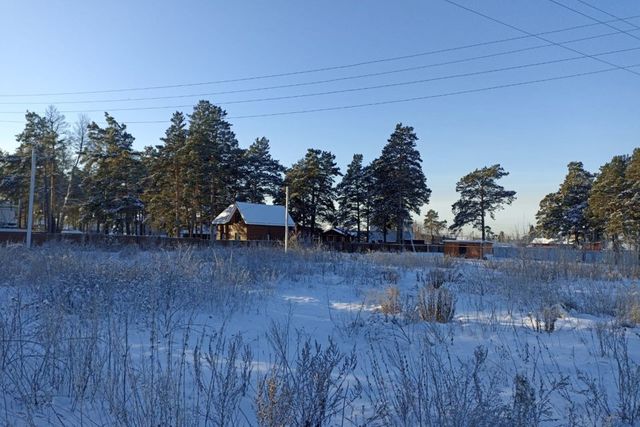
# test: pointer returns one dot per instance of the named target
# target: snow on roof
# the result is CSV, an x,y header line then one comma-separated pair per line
x,y
255,214
542,241
340,230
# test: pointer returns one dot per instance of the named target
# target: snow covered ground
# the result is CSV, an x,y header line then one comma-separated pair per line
x,y
251,336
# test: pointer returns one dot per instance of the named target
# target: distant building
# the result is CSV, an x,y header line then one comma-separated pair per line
x,y
251,221
337,234
376,236
543,242
468,248
8,215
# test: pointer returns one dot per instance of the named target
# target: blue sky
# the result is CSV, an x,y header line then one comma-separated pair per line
x,y
532,130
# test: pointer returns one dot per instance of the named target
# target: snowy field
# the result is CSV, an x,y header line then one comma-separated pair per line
x,y
253,337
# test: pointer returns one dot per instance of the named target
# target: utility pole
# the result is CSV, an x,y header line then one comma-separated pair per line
x,y
286,218
32,185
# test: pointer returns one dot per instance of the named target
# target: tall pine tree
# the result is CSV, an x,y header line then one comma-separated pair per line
x,y
261,174
480,195
311,189
113,180
400,185
352,196
165,197
632,199
606,203
214,160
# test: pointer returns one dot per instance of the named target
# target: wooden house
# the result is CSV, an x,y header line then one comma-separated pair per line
x,y
252,221
337,234
468,248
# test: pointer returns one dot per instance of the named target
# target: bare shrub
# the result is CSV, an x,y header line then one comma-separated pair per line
x,y
524,402
628,307
435,304
426,387
598,407
545,318
308,388
390,303
627,375
222,372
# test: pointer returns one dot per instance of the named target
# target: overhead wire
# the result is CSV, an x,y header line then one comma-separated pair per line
x,y
441,95
403,100
311,83
312,70
528,35
513,27
577,12
350,90
626,21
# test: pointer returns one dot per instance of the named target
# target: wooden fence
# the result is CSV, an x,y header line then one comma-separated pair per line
x,y
38,238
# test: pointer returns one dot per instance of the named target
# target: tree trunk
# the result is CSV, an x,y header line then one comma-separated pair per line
x,y
358,224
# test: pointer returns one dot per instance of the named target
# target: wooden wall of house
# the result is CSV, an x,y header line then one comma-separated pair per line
x,y
266,232
242,231
235,231
467,249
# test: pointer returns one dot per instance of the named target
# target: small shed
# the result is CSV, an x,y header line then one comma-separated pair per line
x,y
468,248
252,221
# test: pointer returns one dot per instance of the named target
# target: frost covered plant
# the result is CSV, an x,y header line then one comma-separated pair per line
x,y
390,301
308,388
628,307
545,318
429,387
435,304
222,372
524,402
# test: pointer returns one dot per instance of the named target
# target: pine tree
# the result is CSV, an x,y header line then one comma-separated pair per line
x,y
47,134
480,195
73,197
113,181
214,160
433,226
400,185
606,203
549,215
352,196
311,190
261,174
165,193
632,198
574,193
565,212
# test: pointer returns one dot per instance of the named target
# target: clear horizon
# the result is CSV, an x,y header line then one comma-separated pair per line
x,y
532,130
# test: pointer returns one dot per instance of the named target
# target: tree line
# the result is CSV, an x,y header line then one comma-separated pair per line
x,y
89,177
590,207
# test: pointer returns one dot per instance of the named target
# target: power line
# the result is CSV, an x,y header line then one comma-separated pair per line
x,y
316,70
538,36
316,82
357,89
608,14
576,11
397,101
441,95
